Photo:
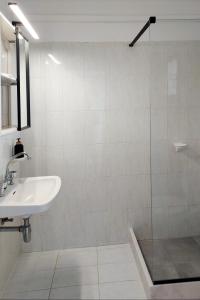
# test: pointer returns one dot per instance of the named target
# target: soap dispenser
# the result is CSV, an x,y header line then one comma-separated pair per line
x,y
19,147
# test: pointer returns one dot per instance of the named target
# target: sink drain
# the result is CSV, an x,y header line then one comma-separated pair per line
x,y
25,229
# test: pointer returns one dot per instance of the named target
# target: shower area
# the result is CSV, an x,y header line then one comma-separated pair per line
x,y
172,251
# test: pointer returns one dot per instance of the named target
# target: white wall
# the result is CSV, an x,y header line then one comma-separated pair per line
x,y
91,127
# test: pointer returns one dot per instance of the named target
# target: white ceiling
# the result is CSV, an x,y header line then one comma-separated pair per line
x,y
98,20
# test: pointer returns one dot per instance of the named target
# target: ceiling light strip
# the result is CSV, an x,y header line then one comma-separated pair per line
x,y
20,15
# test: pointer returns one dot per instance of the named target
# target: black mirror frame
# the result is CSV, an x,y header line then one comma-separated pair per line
x,y
19,126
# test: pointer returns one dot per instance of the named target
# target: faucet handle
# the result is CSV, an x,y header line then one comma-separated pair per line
x,y
11,176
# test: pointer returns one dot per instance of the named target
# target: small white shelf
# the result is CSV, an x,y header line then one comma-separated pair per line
x,y
8,79
180,146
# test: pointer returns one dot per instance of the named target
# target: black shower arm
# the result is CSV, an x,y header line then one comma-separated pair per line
x,y
152,20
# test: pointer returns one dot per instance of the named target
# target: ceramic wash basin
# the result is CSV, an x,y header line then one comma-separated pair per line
x,y
29,196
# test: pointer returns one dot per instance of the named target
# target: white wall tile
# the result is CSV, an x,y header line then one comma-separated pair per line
x,y
74,161
193,188
97,196
95,90
177,124
119,129
37,92
55,129
53,97
120,91
193,220
178,221
74,127
160,196
159,156
54,161
193,156
35,61
177,189
193,123
73,91
97,228
160,219
140,219
137,158
98,160
97,127
158,124
139,191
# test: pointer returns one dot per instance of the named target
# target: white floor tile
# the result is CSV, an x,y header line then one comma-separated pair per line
x,y
77,258
117,272
30,281
115,254
75,276
122,290
76,292
42,294
36,261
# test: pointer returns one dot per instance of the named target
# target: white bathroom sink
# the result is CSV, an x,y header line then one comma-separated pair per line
x,y
29,196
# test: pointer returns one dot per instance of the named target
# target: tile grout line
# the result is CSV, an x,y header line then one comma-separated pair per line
x,y
53,276
89,285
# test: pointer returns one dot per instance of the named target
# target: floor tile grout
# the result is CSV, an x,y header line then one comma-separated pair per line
x,y
76,267
53,277
66,286
92,284
28,291
115,281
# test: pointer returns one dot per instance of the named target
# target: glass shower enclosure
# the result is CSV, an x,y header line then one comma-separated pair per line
x,y
172,254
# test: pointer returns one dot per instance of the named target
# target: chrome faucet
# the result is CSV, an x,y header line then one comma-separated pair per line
x,y
9,176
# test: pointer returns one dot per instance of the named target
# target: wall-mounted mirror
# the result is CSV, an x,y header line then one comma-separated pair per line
x,y
23,82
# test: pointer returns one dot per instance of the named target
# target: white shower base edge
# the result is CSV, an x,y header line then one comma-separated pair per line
x,y
185,290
